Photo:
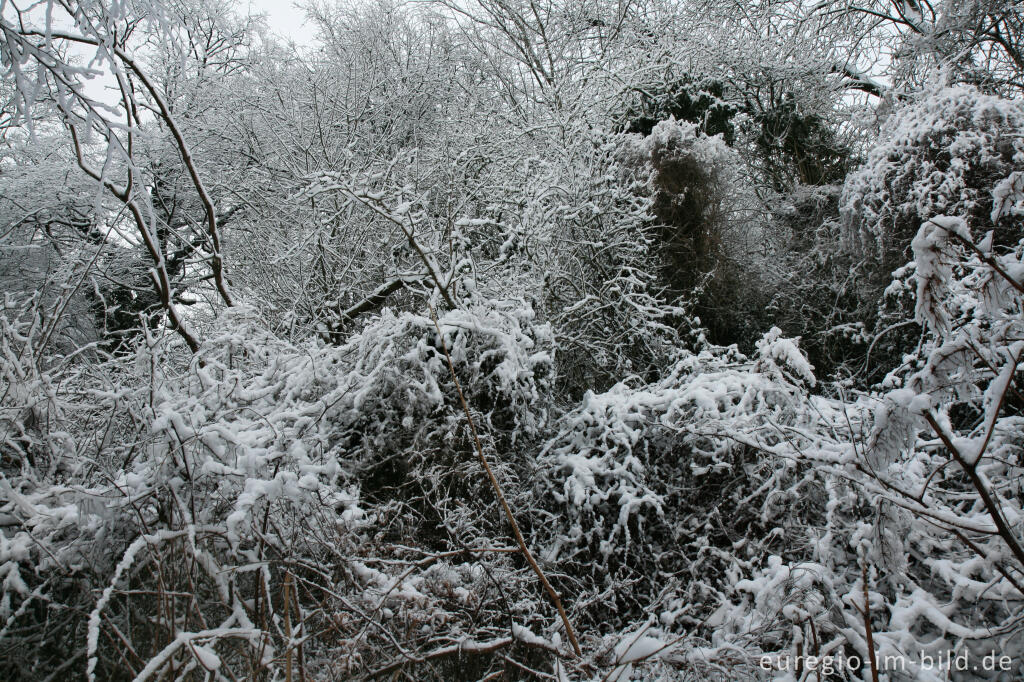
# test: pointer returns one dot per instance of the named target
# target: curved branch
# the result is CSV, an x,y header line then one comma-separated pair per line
x,y
216,262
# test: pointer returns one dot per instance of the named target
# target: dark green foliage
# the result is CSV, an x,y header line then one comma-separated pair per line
x,y
686,208
798,148
698,101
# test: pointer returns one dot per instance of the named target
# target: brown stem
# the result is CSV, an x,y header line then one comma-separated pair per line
x,y
287,599
555,599
868,633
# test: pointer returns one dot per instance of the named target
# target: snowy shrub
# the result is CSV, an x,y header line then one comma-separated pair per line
x,y
699,233
667,478
923,478
241,485
814,288
401,379
689,172
941,154
948,152
62,426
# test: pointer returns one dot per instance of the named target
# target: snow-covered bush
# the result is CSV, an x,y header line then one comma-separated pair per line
x,y
250,481
689,176
586,239
668,479
813,287
62,424
922,479
941,154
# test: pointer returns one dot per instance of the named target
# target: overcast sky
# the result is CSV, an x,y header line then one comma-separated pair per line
x,y
283,18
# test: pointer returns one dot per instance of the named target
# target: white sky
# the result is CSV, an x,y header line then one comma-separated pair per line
x,y
283,18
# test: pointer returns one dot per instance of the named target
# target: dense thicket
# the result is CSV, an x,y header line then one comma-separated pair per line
x,y
512,339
